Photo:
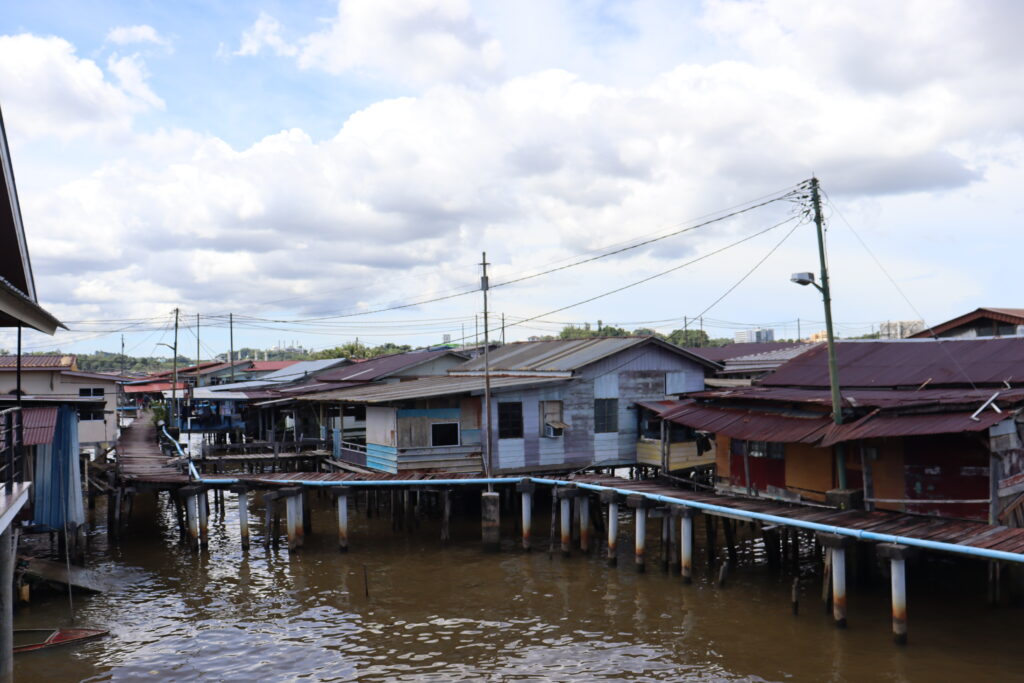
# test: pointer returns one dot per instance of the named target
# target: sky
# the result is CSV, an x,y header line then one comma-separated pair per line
x,y
324,170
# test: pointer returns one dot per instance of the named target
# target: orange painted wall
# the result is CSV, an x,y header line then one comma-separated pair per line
x,y
887,472
808,470
723,444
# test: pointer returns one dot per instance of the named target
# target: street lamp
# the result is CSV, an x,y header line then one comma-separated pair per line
x,y
807,278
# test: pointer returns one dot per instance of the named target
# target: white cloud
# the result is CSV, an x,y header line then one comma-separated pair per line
x,y
48,91
418,42
143,33
265,33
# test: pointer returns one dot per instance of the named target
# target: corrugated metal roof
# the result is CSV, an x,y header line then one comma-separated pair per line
x,y
563,355
41,361
720,354
746,424
863,398
877,426
152,386
269,365
423,388
908,363
293,373
1012,316
382,366
763,362
37,428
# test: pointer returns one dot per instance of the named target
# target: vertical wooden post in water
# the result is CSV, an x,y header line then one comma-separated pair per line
x,y
526,488
446,515
897,555
192,513
837,545
640,505
490,520
686,516
6,605
612,499
342,493
243,513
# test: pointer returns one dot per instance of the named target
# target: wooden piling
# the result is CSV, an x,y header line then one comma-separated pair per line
x,y
446,515
243,513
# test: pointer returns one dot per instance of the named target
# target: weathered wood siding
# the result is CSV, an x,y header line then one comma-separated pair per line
x,y
681,455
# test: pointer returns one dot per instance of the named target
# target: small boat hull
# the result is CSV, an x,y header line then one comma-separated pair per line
x,y
32,639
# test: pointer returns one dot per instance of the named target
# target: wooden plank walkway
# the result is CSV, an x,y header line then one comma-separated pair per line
x,y
139,458
957,532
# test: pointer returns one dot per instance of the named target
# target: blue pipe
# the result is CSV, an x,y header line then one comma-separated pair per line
x,y
985,553
192,471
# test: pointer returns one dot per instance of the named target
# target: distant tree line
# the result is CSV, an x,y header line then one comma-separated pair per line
x,y
681,337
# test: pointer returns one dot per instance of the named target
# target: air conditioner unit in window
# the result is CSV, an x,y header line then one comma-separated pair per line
x,y
551,432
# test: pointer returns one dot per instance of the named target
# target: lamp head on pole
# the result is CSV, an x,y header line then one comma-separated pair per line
x,y
802,278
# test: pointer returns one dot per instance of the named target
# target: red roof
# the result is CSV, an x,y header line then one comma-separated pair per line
x,y
152,387
746,424
1011,316
876,426
38,425
49,361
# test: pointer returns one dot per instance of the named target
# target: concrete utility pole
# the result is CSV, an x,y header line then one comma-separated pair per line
x,y
484,286
196,385
833,368
174,378
231,353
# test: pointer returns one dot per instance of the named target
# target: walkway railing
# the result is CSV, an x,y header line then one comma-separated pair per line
x,y
12,448
193,473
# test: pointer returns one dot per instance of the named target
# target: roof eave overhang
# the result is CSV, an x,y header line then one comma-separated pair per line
x,y
27,313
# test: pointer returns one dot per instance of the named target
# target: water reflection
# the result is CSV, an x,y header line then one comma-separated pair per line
x,y
450,613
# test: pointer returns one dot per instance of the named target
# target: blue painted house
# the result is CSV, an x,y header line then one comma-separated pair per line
x,y
555,405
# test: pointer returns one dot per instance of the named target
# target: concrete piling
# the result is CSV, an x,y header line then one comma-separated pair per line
x,y
837,545
526,488
293,516
566,497
897,555
640,505
243,513
585,523
490,520
342,493
686,516
612,499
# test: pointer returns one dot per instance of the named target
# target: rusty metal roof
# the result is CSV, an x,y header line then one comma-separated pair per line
x,y
877,426
908,363
423,388
30,362
863,398
719,354
37,426
564,356
752,425
1012,316
382,366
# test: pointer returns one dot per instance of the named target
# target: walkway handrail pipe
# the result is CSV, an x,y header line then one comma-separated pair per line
x,y
192,471
863,535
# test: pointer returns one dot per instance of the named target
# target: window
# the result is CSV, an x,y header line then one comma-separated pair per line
x,y
91,391
510,420
551,422
759,449
444,434
90,414
606,415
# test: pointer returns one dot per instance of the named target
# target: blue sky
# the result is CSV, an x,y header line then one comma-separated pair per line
x,y
302,161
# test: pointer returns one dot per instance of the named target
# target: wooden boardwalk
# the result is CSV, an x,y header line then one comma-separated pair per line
x,y
956,532
140,460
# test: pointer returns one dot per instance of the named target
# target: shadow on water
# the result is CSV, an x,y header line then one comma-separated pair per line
x,y
453,613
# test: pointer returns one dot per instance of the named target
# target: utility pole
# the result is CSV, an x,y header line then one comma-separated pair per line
x,y
502,329
487,377
700,339
196,385
174,378
799,334
231,353
833,367
122,355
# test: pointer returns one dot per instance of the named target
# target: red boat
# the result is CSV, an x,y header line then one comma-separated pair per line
x,y
31,639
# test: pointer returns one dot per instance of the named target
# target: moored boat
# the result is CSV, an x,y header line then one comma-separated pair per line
x,y
31,639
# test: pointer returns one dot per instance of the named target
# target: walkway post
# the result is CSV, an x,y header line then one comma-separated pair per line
x,y
897,555
342,493
490,520
585,523
243,513
837,546
566,496
612,499
293,515
527,488
686,516
640,505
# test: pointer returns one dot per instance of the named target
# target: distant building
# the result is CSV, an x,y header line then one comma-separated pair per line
x,y
756,335
981,322
899,329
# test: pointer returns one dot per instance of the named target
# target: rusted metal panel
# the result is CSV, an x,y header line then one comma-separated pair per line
x,y
907,363
878,426
749,425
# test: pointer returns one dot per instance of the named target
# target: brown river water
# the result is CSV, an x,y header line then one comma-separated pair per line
x,y
451,613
